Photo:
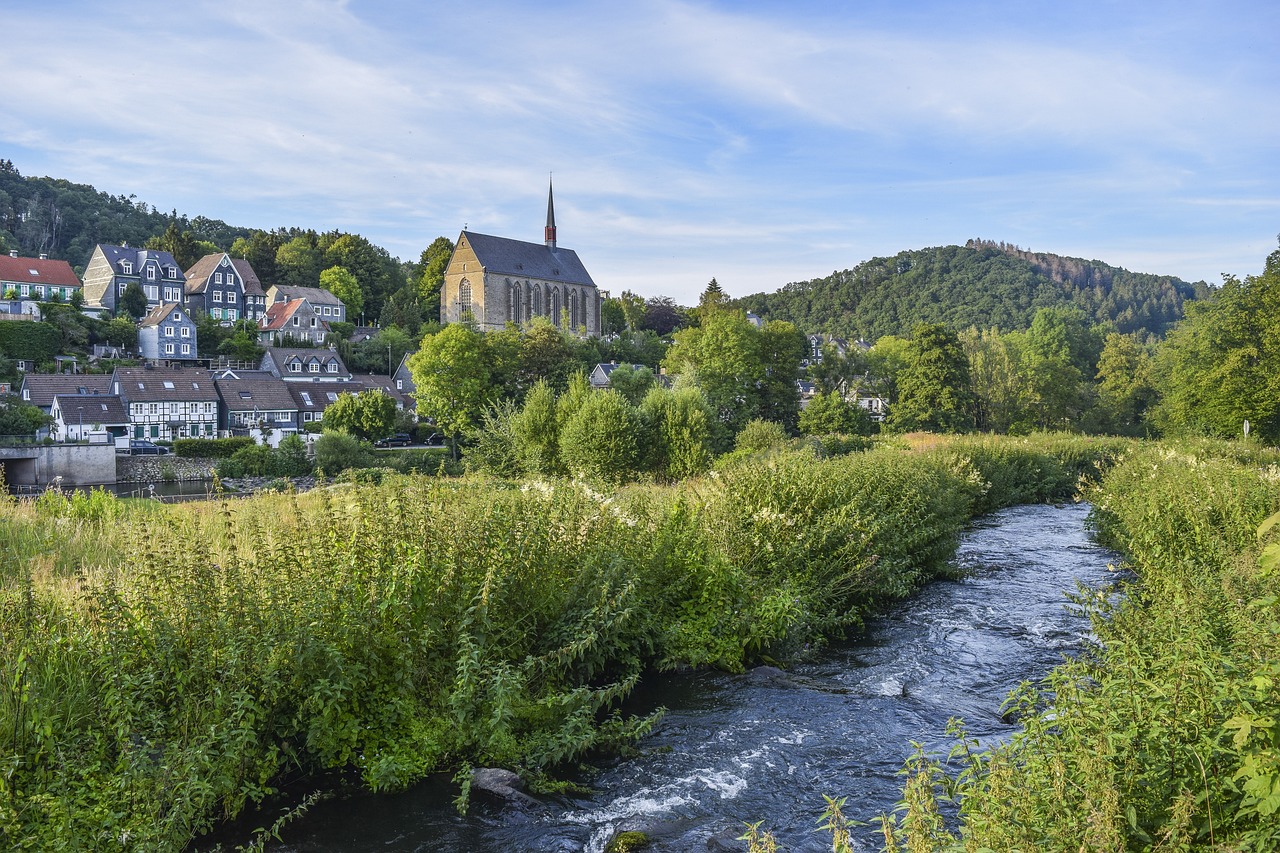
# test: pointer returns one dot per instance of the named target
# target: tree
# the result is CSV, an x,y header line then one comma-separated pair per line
x,y
298,261
77,299
1125,389
241,346
19,418
1060,352
434,261
451,378
663,316
599,442
713,298
1221,365
545,354
343,285
935,391
681,426
832,413
998,387
133,302
537,432
632,306
181,244
338,451
291,458
631,382
369,414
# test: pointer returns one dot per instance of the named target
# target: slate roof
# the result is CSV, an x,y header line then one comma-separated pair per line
x,y
37,271
252,286
45,386
138,257
180,384
386,384
314,295
318,396
504,256
104,409
276,358
201,271
262,392
160,312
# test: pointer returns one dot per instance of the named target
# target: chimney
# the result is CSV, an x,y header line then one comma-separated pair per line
x,y
13,253
44,256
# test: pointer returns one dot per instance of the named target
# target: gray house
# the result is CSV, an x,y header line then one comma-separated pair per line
x,y
167,333
113,268
224,288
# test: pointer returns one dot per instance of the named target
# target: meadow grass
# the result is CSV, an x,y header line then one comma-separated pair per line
x,y
167,666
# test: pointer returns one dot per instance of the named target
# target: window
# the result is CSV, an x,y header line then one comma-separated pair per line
x,y
153,293
40,290
217,278
186,349
168,331
24,290
151,273
306,398
217,296
215,313
333,367
314,367
313,322
168,349
168,385
306,416
231,313
171,272
399,384
295,367
295,322
186,331
177,318
231,296
120,289
126,267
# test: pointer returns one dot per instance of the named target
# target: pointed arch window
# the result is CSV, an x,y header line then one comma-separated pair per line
x,y
555,306
465,314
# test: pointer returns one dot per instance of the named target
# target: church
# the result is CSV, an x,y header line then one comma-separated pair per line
x,y
492,281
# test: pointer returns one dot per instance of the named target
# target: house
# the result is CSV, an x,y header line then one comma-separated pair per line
x,y
225,289
36,279
385,384
295,321
328,307
167,403
111,269
256,400
403,379
167,333
491,281
76,416
40,389
312,400
305,365
599,377
877,407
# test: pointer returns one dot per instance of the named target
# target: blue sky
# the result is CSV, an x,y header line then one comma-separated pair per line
x,y
757,142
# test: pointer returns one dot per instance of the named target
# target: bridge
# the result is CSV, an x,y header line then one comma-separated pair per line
x,y
24,462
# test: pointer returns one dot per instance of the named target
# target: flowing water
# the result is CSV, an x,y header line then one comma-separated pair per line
x,y
768,745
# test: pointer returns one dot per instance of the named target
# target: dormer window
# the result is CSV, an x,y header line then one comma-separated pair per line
x,y
295,367
333,367
151,273
126,267
314,367
171,272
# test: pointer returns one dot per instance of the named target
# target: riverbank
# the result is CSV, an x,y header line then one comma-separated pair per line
x,y
423,625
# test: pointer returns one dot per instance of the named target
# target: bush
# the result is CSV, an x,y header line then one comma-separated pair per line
x,y
760,435
599,442
337,451
210,448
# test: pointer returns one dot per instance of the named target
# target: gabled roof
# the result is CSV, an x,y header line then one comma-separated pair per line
x,y
318,396
104,409
504,256
202,271
43,387
160,313
138,257
262,392
314,295
37,271
183,385
279,313
252,286
374,382
277,359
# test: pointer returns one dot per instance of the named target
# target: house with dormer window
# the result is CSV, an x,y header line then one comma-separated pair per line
x,y
167,333
295,321
111,269
254,400
305,365
164,404
225,289
328,307
36,280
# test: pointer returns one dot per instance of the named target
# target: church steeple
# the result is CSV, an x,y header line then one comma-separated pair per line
x,y
551,219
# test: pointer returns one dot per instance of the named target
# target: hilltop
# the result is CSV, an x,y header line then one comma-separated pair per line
x,y
983,284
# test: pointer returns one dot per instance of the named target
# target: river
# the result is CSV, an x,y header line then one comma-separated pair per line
x,y
768,745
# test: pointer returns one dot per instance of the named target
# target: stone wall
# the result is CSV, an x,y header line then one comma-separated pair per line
x,y
151,469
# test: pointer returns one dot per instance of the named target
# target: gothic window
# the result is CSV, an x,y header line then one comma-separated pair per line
x,y
515,303
555,306
464,302
535,305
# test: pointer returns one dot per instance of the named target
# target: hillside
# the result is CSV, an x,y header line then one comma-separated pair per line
x,y
982,284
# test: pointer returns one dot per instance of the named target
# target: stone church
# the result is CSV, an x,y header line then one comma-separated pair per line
x,y
492,281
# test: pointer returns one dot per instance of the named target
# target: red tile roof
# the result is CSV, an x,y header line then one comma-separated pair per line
x,y
37,271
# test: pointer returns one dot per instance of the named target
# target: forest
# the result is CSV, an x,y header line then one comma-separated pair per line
x,y
983,285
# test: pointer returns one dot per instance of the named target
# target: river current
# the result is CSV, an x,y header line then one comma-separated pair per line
x,y
767,745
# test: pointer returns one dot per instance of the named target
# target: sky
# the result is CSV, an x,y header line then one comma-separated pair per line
x,y
759,143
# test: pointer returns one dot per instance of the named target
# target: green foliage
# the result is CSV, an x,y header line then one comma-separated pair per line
x,y
133,302
343,285
434,261
600,442
981,285
451,379
38,342
760,436
935,391
536,433
210,448
338,451
368,415
20,419
680,427
832,413
632,382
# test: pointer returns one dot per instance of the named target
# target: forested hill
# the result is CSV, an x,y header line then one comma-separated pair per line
x,y
982,284
65,220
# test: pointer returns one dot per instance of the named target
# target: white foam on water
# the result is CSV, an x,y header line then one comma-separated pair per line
x,y
726,784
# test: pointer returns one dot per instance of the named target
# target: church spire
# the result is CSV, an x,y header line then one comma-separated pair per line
x,y
551,219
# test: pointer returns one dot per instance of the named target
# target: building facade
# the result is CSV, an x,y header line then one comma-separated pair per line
x,y
167,333
492,281
36,280
111,269
224,288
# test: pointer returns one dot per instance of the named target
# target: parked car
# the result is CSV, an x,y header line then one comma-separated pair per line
x,y
400,439
436,439
138,447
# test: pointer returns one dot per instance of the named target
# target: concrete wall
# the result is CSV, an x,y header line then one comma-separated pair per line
x,y
76,464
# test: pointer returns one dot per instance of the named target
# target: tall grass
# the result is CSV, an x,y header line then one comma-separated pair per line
x,y
180,663
1164,736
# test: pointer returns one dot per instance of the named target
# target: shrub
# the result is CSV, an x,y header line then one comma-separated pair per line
x,y
210,448
761,435
599,441
337,451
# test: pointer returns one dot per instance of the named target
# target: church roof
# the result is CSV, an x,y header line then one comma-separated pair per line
x,y
504,256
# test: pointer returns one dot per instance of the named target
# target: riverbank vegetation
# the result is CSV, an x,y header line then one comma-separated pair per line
x,y
167,667
1163,735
